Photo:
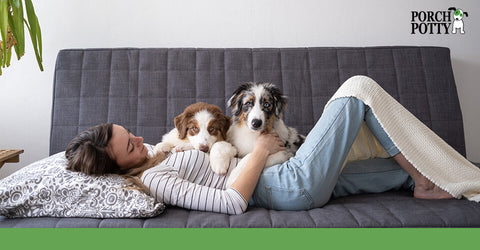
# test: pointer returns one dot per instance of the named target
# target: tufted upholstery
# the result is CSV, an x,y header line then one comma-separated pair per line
x,y
144,89
391,209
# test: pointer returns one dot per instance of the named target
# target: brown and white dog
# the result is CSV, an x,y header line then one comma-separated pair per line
x,y
198,127
257,107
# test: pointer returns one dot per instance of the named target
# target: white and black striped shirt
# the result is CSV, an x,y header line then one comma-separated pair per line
x,y
185,179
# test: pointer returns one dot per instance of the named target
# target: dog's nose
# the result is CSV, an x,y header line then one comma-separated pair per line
x,y
203,148
256,123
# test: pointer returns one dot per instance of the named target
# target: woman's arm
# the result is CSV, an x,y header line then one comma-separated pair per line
x,y
265,145
165,185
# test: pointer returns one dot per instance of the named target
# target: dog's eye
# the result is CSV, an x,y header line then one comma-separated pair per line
x,y
266,105
211,130
195,129
247,106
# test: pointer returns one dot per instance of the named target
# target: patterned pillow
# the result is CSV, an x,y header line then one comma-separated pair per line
x,y
46,188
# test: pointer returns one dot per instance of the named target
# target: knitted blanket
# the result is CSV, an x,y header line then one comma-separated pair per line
x,y
425,150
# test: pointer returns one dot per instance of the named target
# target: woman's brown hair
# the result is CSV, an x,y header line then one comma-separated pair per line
x,y
87,153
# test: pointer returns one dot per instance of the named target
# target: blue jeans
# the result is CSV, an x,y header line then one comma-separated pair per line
x,y
308,179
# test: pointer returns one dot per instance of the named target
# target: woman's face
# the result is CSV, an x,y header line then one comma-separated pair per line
x,y
126,149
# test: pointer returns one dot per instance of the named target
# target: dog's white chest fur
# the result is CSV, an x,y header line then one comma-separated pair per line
x,y
257,107
243,139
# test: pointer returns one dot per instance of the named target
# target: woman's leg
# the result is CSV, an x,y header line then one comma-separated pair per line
x,y
308,178
424,188
372,176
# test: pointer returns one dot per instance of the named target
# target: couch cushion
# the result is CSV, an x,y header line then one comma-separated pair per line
x,y
390,209
144,89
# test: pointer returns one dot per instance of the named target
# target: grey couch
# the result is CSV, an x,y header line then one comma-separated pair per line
x,y
144,89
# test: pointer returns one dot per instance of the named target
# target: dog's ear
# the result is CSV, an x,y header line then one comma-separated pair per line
x,y
452,8
222,121
279,99
181,125
465,13
225,125
281,103
234,103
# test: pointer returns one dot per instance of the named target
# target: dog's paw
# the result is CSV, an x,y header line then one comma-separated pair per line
x,y
181,148
220,156
278,158
161,147
220,164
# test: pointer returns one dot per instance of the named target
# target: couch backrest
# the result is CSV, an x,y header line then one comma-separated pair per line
x,y
144,89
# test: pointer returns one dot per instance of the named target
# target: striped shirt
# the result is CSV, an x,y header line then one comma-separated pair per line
x,y
186,180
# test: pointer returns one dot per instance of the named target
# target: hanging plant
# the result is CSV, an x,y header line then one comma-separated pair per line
x,y
12,23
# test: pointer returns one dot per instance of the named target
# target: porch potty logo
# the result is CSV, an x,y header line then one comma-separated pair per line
x,y
439,22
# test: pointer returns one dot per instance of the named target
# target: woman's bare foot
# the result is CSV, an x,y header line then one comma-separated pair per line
x,y
424,188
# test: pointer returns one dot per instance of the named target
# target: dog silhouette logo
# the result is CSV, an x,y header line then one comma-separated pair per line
x,y
457,23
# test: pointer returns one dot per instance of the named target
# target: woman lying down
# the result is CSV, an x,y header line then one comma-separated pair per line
x,y
309,179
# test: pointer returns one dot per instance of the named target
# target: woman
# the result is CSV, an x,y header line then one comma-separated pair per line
x,y
305,181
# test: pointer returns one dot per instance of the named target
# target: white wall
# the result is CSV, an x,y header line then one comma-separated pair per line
x,y
26,93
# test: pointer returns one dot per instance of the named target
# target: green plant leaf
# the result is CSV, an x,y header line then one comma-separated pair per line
x,y
39,36
4,28
35,33
12,28
12,19
16,26
9,56
38,52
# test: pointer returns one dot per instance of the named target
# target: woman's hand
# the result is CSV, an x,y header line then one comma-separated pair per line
x,y
270,142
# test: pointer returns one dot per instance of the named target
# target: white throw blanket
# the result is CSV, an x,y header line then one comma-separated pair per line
x,y
427,152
